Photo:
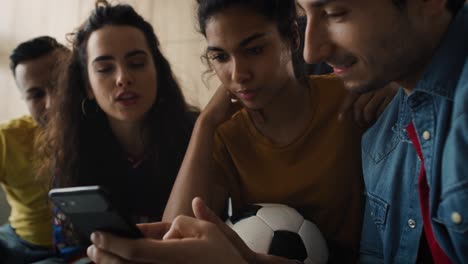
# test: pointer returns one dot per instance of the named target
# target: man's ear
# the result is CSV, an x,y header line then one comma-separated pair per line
x,y
432,16
431,8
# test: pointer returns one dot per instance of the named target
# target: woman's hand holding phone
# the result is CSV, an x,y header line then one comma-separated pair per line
x,y
187,240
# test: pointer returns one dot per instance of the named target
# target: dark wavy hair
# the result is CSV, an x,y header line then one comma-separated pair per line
x,y
282,12
81,147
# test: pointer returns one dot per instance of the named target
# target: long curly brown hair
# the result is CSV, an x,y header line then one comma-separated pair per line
x,y
80,146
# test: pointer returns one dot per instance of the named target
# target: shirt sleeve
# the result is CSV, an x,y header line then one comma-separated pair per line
x,y
451,218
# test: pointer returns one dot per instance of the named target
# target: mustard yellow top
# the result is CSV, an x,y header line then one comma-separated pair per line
x,y
26,193
319,173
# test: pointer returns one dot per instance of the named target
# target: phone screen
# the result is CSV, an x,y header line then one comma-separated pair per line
x,y
89,210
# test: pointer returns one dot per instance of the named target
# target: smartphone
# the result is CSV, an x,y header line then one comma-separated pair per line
x,y
89,209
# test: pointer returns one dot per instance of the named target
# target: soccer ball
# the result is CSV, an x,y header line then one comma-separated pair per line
x,y
279,230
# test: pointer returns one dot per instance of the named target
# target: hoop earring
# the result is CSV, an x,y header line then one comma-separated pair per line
x,y
91,102
83,106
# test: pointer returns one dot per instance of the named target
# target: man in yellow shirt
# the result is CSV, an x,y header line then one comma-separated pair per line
x,y
28,235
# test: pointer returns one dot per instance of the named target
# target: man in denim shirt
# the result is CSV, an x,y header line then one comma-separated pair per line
x,y
415,158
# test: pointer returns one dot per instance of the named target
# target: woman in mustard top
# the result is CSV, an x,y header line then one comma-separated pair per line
x,y
286,145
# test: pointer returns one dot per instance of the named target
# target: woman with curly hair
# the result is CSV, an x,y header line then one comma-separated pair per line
x,y
119,121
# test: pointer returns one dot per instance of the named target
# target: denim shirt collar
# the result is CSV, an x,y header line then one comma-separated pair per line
x,y
442,74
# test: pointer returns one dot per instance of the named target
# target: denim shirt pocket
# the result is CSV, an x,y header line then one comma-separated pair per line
x,y
377,153
452,212
378,210
381,139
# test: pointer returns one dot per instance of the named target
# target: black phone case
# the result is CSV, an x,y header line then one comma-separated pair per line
x,y
89,210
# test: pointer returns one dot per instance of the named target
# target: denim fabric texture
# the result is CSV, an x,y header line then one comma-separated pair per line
x,y
438,108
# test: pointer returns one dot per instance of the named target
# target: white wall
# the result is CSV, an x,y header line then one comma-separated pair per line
x,y
173,20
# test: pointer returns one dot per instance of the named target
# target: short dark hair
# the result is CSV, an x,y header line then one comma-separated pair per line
x,y
32,49
452,5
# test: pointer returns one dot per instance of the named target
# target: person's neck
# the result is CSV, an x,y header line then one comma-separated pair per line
x,y
130,136
286,115
288,104
437,33
409,83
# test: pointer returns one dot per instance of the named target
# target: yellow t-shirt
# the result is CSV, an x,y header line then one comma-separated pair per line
x,y
319,173
31,216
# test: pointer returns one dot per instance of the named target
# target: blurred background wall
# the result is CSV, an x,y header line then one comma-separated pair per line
x,y
173,20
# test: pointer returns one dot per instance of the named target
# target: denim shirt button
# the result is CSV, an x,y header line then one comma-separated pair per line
x,y
426,135
456,218
412,224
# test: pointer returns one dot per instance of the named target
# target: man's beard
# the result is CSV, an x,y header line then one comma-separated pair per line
x,y
365,87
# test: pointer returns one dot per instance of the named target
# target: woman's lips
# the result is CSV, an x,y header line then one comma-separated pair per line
x,y
127,98
247,95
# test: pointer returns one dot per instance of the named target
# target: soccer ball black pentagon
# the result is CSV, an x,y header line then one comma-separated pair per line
x,y
279,230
